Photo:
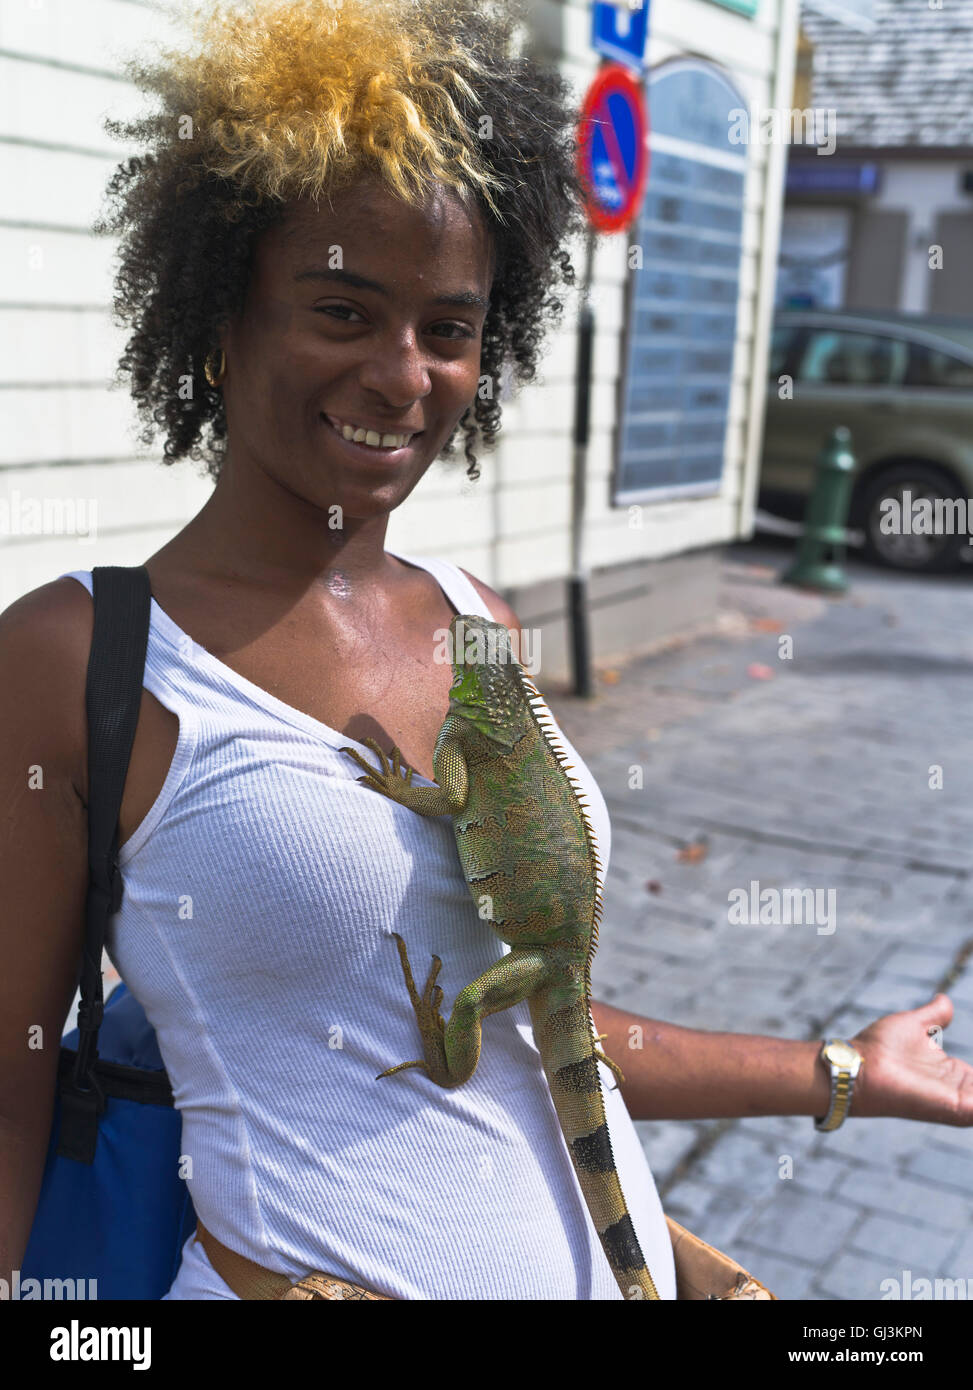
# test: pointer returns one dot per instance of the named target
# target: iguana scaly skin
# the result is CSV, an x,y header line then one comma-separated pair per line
x,y
530,857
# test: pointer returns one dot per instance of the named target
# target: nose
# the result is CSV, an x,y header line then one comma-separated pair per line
x,y
395,369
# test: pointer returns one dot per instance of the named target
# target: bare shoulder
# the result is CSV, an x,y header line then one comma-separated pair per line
x,y
499,607
45,639
54,619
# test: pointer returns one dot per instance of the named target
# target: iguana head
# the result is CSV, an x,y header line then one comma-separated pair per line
x,y
490,688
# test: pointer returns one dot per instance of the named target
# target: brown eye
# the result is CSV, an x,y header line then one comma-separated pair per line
x,y
464,330
334,309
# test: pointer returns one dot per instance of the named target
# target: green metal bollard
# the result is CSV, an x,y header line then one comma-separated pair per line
x,y
825,519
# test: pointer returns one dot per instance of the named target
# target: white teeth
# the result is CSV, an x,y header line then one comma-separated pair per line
x,y
359,435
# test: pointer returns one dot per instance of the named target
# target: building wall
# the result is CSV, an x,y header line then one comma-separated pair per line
x,y
71,439
66,438
888,237
926,190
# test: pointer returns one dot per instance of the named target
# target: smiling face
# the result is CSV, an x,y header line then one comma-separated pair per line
x,y
368,314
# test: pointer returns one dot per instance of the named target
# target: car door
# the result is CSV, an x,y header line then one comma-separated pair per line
x,y
939,425
841,377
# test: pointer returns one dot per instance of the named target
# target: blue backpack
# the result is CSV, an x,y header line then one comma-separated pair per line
x,y
112,1206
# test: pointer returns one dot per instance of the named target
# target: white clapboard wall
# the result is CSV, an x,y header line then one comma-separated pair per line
x,y
70,462
69,452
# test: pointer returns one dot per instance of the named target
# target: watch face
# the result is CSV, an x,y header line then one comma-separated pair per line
x,y
841,1054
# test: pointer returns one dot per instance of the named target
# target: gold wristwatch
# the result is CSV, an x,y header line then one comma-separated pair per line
x,y
845,1063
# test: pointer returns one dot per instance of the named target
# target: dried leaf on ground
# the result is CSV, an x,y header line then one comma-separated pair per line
x,y
694,853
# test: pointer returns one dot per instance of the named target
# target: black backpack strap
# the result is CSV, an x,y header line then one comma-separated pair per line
x,y
113,696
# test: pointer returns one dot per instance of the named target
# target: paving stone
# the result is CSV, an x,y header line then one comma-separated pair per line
x,y
853,1276
887,993
961,1256
817,1173
726,1218
961,991
876,1143
813,1227
687,1202
925,966
846,1023
959,1031
666,1143
916,1247
742,1159
794,1131
909,1197
948,1167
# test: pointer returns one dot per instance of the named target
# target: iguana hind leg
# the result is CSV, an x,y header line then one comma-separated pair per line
x,y
452,1050
615,1068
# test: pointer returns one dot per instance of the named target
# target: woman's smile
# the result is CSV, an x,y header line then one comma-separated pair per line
x,y
371,449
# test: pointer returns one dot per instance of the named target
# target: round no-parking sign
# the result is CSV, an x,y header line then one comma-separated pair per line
x,y
613,147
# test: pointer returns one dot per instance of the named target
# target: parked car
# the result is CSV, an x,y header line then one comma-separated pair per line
x,y
903,384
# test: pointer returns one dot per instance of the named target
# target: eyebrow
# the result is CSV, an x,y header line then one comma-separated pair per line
x,y
465,298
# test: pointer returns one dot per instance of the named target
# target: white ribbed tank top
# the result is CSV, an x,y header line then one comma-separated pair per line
x,y
261,891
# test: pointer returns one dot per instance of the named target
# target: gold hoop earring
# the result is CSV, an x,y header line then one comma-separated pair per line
x,y
215,378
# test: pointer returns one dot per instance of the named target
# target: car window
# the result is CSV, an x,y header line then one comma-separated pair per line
x,y
837,357
782,341
929,367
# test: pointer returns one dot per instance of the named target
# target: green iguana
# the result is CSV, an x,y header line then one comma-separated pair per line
x,y
530,857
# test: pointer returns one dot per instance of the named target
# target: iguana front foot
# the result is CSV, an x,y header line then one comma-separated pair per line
x,y
616,1069
390,778
431,1022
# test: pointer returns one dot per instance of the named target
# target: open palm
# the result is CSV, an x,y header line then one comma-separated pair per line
x,y
908,1073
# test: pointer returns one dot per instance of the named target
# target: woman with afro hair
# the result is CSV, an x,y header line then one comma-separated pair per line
x,y
348,226
347,229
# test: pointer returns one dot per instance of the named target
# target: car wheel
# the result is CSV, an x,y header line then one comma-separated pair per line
x,y
900,546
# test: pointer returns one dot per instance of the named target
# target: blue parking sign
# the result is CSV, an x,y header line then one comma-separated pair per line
x,y
619,30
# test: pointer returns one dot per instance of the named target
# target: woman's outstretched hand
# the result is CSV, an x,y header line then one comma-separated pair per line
x,y
908,1073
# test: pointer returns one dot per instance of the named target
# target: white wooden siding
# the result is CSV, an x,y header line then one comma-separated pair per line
x,y
66,435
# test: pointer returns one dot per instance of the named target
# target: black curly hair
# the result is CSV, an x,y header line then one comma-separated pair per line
x,y
290,99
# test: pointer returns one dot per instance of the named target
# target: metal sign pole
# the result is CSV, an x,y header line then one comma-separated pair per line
x,y
578,584
612,158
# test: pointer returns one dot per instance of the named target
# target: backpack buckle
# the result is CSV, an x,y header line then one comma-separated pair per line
x,y
81,1108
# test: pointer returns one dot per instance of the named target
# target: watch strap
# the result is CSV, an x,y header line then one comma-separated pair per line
x,y
842,1086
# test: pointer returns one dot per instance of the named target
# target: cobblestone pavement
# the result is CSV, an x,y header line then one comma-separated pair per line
x,y
805,772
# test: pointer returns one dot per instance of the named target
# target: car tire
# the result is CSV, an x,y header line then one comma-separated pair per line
x,y
933,553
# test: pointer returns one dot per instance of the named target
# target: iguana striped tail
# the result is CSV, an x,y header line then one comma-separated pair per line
x,y
562,1031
